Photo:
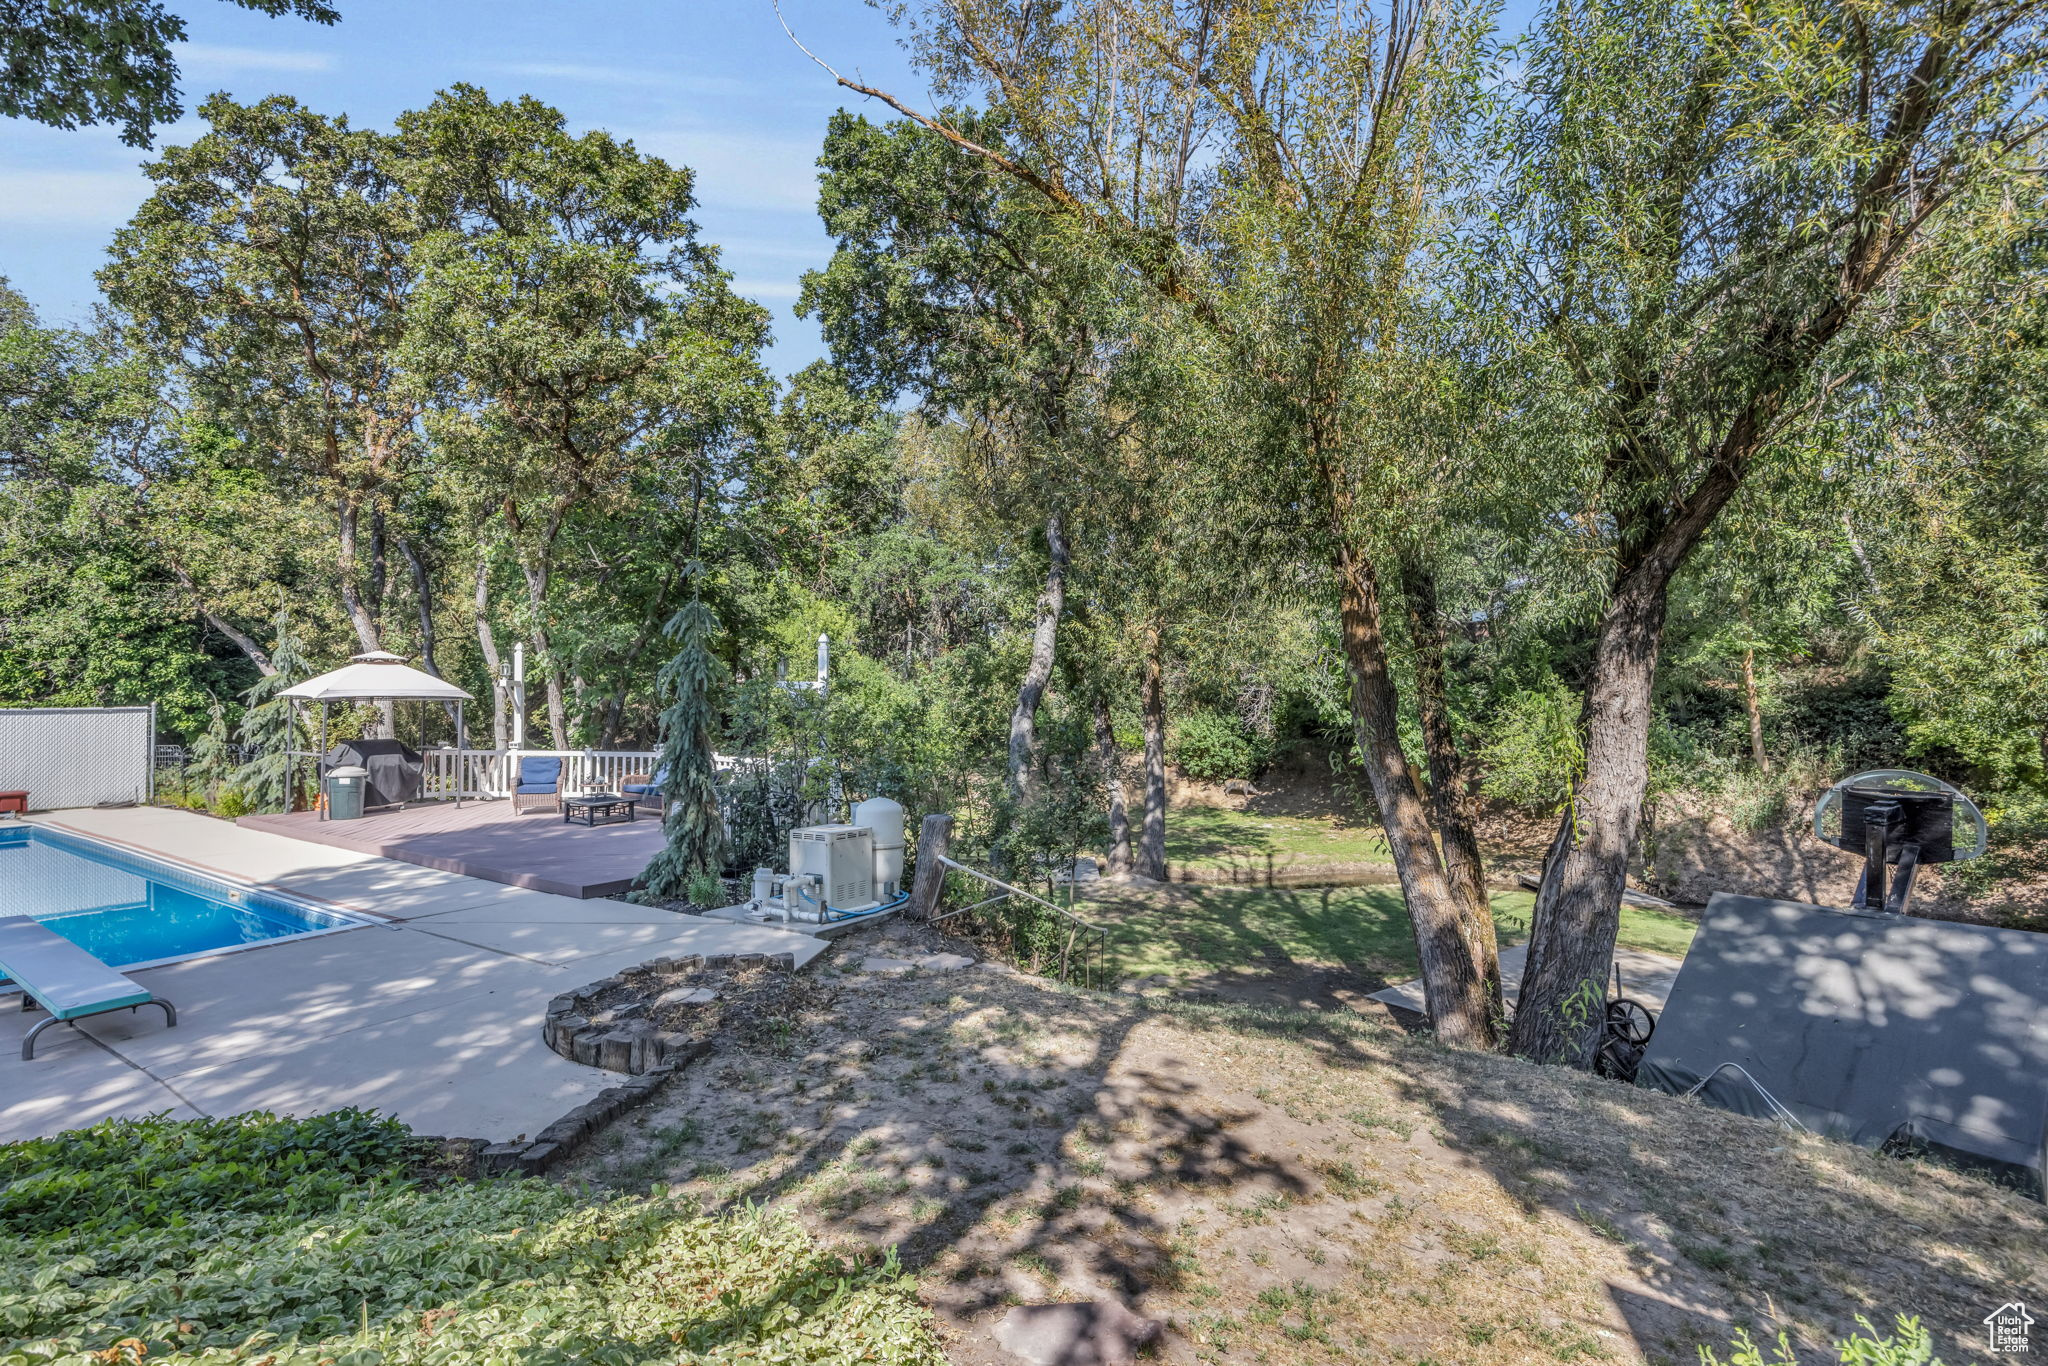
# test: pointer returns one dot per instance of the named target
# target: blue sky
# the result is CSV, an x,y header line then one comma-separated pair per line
x,y
711,84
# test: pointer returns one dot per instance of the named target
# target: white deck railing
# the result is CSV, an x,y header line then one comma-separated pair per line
x,y
491,773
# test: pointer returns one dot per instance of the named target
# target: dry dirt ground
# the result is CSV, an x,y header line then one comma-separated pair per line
x,y
1298,1186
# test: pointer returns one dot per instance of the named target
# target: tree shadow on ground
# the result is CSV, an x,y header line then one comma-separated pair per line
x,y
1304,1175
1002,1151
1727,1221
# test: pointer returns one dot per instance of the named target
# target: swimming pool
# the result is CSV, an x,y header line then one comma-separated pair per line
x,y
132,911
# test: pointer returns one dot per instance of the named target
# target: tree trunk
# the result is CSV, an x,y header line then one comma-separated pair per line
x,y
1751,705
1578,908
1571,947
359,614
1451,984
1152,705
423,600
1862,559
380,574
345,571
1450,785
242,642
1113,777
537,577
1038,672
488,643
241,639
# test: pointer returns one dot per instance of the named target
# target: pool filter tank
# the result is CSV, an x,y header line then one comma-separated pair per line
x,y
884,819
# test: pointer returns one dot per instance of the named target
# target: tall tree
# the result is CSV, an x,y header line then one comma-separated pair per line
x,y
948,283
1709,205
691,820
1276,171
273,267
270,726
591,331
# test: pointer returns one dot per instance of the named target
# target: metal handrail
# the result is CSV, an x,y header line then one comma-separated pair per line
x,y
1093,939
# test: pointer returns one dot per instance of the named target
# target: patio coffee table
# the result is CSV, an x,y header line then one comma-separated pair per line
x,y
599,808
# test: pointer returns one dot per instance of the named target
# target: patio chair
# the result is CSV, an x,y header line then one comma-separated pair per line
x,y
645,790
65,980
539,786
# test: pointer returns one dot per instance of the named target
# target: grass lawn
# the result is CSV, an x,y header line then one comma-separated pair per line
x,y
1651,931
1215,838
1191,932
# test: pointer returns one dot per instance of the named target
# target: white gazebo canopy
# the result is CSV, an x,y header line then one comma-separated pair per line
x,y
377,676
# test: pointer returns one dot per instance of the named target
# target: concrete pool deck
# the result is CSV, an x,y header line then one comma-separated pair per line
x,y
431,1014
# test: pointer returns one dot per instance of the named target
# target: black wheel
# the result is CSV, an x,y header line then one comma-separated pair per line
x,y
1629,1022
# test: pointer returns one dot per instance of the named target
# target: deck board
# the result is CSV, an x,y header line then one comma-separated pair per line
x,y
485,840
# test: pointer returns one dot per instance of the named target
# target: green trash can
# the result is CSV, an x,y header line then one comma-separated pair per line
x,y
345,788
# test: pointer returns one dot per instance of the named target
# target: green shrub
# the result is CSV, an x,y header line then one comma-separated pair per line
x,y
306,1241
1210,747
233,804
123,1175
707,889
1533,754
2017,853
1912,1347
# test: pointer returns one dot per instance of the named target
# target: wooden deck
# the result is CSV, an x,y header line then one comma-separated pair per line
x,y
485,840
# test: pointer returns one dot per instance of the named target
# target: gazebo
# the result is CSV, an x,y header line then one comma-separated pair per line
x,y
377,676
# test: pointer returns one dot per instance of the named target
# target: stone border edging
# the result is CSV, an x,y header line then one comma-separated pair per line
x,y
651,1058
575,1030
533,1157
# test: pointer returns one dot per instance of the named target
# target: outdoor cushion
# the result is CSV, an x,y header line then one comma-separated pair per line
x,y
539,774
653,785
67,980
542,788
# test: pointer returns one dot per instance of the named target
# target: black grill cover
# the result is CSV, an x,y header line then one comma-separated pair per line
x,y
1879,1029
394,769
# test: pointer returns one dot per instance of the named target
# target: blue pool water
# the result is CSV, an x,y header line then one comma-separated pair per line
x,y
127,910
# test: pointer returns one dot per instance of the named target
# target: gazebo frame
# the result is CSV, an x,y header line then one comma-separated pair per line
x,y
376,676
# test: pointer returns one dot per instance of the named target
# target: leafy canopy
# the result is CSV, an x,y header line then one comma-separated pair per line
x,y
72,63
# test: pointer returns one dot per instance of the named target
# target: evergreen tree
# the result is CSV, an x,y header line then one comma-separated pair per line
x,y
270,727
211,756
695,851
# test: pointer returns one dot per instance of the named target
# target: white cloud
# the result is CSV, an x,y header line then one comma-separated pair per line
x,y
766,291
98,199
209,59
741,170
587,73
